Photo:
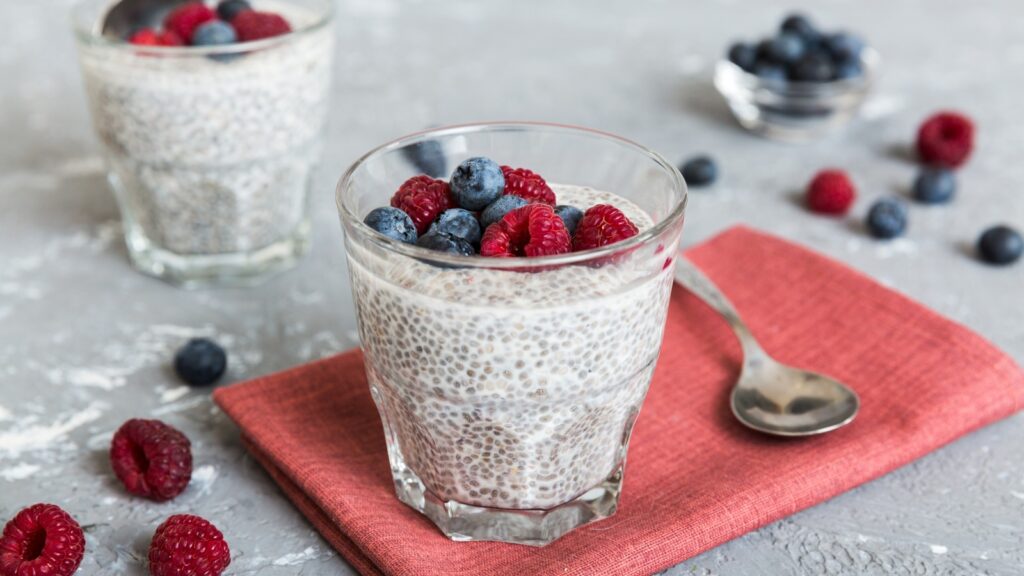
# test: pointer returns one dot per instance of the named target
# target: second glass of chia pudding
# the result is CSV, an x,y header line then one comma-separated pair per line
x,y
510,366
210,149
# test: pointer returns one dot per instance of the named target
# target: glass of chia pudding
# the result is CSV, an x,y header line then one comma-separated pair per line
x,y
210,149
508,386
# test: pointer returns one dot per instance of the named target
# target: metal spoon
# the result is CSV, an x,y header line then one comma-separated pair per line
x,y
127,16
769,396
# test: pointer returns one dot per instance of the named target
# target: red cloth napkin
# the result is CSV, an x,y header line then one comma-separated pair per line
x,y
695,478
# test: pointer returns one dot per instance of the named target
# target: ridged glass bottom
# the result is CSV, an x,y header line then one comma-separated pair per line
x,y
467,523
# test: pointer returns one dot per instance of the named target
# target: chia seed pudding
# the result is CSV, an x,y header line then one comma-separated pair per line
x,y
523,394
211,154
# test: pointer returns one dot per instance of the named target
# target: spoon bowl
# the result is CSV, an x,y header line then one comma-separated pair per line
x,y
769,396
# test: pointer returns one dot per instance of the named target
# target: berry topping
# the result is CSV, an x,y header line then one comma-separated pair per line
x,y
41,540
935,186
228,9
476,183
527,184
497,209
252,25
423,199
200,362
428,157
786,48
570,216
445,243
187,545
743,55
392,223
533,230
831,192
213,33
184,20
946,139
601,225
458,222
152,459
801,26
150,37
699,171
887,218
813,67
1000,245
843,46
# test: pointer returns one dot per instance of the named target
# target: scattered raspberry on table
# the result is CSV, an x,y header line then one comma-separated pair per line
x,y
831,192
41,540
187,545
152,459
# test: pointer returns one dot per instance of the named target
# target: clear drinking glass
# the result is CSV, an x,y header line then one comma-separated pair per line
x,y
210,150
508,388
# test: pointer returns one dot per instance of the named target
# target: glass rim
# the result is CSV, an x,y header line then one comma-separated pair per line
x,y
522,263
91,35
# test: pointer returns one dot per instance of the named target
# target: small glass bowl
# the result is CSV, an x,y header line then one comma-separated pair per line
x,y
794,111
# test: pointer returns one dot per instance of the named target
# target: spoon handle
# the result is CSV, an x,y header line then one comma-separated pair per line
x,y
691,278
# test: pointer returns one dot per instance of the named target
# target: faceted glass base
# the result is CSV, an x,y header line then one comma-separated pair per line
x,y
219,270
467,523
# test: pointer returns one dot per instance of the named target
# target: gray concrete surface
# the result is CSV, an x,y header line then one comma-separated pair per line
x,y
85,341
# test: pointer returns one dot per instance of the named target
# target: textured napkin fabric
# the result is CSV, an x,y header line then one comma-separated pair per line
x,y
695,478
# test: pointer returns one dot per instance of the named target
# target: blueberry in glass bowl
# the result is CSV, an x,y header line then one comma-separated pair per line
x,y
799,84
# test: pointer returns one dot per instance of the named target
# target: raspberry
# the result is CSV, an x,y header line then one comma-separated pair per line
x,y
830,192
152,459
184,20
601,225
187,545
150,37
422,198
946,139
253,25
532,230
528,185
41,540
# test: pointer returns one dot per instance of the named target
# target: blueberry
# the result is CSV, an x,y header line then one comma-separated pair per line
x,y
570,216
228,9
200,362
459,223
786,48
935,186
476,183
428,157
843,46
445,243
392,223
497,210
743,55
699,171
1000,245
813,67
887,218
764,51
770,71
801,26
214,33
846,69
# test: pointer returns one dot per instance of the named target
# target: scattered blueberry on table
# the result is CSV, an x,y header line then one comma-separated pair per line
x,y
200,362
1000,245
887,218
699,171
800,52
934,185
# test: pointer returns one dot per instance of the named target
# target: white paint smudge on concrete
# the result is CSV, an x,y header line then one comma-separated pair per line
x,y
178,406
203,478
19,472
5,414
296,558
882,106
172,394
18,440
897,247
1016,494
102,378
938,548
